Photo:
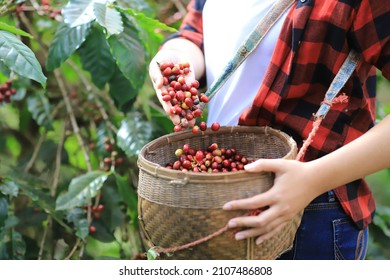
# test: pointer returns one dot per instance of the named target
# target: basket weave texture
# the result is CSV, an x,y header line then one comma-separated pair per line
x,y
177,207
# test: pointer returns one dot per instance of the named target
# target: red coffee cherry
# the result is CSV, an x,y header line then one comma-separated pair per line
x,y
92,229
215,126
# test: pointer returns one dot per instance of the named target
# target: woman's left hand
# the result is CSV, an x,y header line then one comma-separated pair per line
x,y
291,193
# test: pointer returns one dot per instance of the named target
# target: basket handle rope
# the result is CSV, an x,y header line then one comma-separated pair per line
x,y
201,240
331,97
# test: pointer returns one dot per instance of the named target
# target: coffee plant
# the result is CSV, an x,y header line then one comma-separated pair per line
x,y
76,107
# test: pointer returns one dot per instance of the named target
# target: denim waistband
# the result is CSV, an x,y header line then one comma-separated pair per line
x,y
326,197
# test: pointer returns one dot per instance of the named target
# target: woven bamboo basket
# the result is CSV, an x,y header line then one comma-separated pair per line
x,y
177,207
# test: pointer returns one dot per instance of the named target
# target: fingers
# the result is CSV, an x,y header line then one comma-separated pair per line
x,y
265,165
254,202
155,74
262,227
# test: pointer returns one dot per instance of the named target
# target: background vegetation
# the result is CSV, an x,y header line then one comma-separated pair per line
x,y
75,109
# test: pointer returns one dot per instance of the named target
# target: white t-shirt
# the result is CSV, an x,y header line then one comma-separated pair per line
x,y
226,24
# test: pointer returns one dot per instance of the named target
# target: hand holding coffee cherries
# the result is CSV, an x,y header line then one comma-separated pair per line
x,y
177,90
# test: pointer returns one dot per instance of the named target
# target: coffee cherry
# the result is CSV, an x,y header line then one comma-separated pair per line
x,y
100,208
92,229
204,98
203,126
178,152
199,156
212,147
215,126
177,128
97,215
195,129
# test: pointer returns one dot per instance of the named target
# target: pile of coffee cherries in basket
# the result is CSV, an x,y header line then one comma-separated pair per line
x,y
214,159
184,97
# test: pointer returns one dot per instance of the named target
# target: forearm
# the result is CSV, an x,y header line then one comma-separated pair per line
x,y
190,51
366,155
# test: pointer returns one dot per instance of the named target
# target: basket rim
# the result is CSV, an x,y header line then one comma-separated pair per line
x,y
161,171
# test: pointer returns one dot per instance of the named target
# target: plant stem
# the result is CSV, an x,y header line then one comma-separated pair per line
x,y
179,6
53,188
36,152
5,7
72,117
73,249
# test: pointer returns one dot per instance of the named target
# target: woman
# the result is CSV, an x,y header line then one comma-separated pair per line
x,y
281,84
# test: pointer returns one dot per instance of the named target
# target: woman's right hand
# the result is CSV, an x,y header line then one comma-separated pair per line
x,y
168,56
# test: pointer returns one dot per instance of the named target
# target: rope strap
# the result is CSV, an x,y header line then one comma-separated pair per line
x,y
338,83
331,98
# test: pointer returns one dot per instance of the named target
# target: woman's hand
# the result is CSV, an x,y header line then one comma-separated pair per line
x,y
291,193
168,56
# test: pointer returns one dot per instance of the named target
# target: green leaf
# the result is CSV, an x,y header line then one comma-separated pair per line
x,y
129,53
30,188
77,216
75,154
382,219
65,42
14,30
81,189
97,61
102,233
19,58
128,194
8,187
82,228
133,134
113,216
39,107
79,12
109,18
121,91
152,254
144,20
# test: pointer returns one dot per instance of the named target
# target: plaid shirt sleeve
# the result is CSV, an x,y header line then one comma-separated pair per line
x,y
191,27
370,34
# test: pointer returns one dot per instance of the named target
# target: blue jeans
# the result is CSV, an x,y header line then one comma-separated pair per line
x,y
327,233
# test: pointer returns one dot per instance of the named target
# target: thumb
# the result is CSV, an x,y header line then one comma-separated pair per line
x,y
265,165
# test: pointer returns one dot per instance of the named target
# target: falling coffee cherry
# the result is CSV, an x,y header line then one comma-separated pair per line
x,y
215,126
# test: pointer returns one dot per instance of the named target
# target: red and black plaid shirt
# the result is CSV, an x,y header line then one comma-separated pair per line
x,y
316,37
